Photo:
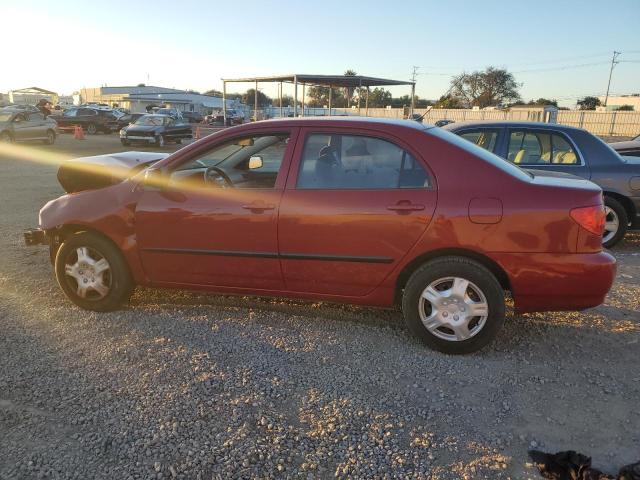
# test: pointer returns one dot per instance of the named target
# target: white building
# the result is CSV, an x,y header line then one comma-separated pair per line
x,y
615,102
31,96
140,98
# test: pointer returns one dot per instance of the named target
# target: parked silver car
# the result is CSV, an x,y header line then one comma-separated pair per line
x,y
20,125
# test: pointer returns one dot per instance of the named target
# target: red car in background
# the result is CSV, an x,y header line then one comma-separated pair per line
x,y
365,211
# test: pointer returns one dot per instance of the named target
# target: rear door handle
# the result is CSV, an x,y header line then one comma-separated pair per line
x,y
405,207
259,207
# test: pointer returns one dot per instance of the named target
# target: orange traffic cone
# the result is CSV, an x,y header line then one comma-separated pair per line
x,y
197,136
78,133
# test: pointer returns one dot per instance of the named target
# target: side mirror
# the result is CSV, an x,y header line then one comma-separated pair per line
x,y
154,179
255,162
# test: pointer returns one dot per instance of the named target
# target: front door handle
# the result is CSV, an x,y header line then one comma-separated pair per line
x,y
405,206
259,207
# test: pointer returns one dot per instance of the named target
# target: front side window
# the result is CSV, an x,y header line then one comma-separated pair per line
x,y
357,162
70,113
540,148
246,162
482,138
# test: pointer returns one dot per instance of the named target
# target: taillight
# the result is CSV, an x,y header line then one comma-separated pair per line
x,y
590,218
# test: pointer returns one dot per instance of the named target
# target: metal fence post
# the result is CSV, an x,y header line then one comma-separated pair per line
x,y
613,123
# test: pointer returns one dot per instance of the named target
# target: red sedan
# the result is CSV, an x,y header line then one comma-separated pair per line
x,y
363,211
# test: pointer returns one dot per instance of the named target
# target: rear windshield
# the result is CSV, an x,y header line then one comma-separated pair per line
x,y
487,156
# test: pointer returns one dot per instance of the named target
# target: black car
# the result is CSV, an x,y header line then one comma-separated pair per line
x,y
192,117
156,129
92,120
630,148
560,148
128,118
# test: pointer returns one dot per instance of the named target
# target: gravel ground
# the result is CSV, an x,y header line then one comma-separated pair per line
x,y
184,385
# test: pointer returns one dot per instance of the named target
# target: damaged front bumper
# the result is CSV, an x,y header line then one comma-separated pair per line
x,y
35,236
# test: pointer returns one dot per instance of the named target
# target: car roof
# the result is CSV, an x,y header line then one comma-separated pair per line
x,y
507,123
351,121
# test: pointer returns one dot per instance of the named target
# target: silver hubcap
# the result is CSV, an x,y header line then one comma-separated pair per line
x,y
89,273
453,309
160,141
611,224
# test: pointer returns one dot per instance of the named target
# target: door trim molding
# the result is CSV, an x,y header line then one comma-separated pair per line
x,y
285,256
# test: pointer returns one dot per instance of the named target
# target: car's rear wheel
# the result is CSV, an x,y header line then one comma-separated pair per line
x,y
454,305
51,138
160,141
92,129
616,222
93,273
5,137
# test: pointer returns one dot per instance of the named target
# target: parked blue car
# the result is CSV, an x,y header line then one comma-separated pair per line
x,y
561,148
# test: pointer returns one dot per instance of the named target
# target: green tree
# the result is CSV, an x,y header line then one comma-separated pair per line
x,y
348,92
487,88
448,101
588,103
544,101
319,97
248,98
287,101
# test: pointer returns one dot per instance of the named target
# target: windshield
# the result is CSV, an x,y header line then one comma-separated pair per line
x,y
5,116
151,121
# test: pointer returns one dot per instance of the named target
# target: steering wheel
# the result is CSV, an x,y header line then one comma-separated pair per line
x,y
215,174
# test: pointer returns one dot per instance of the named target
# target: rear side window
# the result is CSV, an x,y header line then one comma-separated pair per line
x,y
482,138
358,162
540,148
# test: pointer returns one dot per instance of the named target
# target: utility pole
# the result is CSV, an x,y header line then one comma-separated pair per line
x,y
414,74
614,62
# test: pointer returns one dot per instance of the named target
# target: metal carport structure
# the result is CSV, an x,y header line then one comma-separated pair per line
x,y
330,81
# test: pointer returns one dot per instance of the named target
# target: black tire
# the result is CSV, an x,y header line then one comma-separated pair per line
x,y
623,221
124,142
51,138
117,276
92,129
486,327
5,137
160,141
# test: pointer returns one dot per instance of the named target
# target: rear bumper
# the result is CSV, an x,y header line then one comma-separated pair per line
x,y
35,236
552,282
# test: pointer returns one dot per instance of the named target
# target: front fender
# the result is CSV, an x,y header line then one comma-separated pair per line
x,y
109,211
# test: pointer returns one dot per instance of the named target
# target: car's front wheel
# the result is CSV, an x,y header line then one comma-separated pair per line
x,y
616,222
160,141
92,129
51,138
454,305
93,273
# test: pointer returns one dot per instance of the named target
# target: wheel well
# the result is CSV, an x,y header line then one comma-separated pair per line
x,y
625,202
58,236
485,261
